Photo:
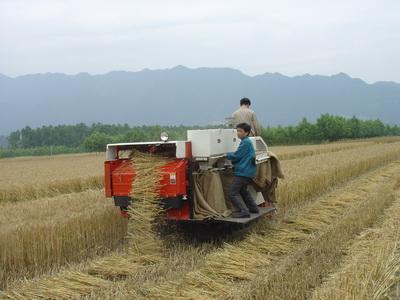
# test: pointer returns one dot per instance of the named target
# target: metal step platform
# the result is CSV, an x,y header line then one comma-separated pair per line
x,y
263,211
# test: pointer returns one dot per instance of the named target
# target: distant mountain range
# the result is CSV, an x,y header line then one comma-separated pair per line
x,y
188,96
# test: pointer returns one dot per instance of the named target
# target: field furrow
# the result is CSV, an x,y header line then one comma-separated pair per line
x,y
371,263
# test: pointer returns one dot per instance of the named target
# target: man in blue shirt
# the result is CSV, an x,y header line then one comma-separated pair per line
x,y
244,169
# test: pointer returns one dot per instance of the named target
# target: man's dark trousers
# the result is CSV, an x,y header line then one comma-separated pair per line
x,y
239,188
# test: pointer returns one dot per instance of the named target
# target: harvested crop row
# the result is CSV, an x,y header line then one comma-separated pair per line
x,y
42,235
234,271
382,139
314,175
292,152
74,283
144,244
305,269
71,286
298,151
30,192
371,262
371,162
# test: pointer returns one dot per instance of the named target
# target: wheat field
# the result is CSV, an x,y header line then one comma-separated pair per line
x,y
36,177
338,206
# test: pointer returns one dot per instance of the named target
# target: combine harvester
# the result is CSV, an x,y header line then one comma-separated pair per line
x,y
204,152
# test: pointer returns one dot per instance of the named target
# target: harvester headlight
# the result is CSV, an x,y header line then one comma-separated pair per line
x,y
164,136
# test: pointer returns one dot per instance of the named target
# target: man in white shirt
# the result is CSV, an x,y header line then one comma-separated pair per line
x,y
246,115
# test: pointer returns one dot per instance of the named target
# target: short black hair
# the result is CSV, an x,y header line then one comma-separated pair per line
x,y
245,101
246,127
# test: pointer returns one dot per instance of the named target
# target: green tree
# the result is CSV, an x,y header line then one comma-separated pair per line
x,y
306,132
14,139
330,127
97,142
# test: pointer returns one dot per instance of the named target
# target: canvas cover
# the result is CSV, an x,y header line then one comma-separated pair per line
x,y
209,197
210,191
266,179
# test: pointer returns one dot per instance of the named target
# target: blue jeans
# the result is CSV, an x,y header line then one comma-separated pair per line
x,y
239,188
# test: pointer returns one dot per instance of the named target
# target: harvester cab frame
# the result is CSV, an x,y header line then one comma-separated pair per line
x,y
204,150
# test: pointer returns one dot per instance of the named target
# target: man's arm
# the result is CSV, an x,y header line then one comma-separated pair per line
x,y
239,153
256,125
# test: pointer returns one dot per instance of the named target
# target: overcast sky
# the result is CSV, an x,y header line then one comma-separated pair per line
x,y
361,38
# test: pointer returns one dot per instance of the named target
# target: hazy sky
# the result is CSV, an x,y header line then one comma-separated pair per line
x,y
361,38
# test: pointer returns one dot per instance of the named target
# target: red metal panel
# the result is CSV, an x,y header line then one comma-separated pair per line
x,y
122,178
107,179
188,150
174,182
109,167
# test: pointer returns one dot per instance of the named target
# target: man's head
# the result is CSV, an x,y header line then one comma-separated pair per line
x,y
243,130
245,101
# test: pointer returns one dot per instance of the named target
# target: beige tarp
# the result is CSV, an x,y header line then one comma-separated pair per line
x,y
210,192
266,179
267,171
209,197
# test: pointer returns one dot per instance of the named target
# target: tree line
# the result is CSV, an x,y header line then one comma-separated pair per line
x,y
328,128
82,137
